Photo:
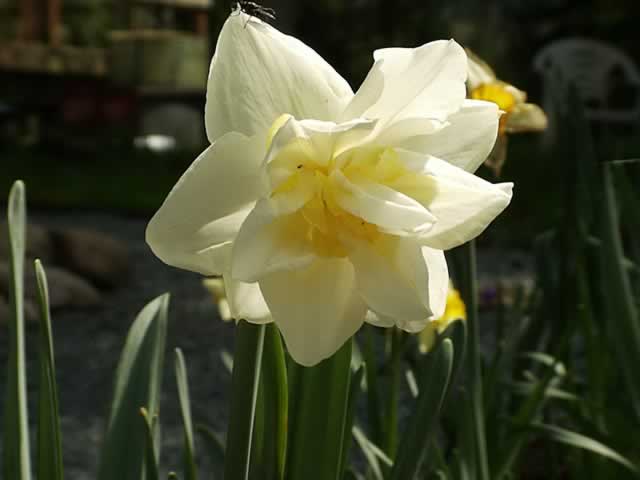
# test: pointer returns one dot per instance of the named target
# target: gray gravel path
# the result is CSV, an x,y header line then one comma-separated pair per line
x,y
88,344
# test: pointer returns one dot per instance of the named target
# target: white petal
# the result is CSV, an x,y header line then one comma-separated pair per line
x,y
468,139
393,278
246,301
269,242
438,289
316,308
462,203
380,205
407,83
311,143
208,204
258,74
376,320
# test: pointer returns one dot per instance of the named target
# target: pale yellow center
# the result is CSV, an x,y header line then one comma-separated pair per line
x,y
302,169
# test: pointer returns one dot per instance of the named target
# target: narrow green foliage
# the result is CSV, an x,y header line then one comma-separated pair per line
x,y
16,458
372,454
190,470
624,326
577,440
473,361
276,398
436,374
49,446
374,413
354,394
319,403
390,439
244,392
525,415
137,385
150,458
457,333
214,444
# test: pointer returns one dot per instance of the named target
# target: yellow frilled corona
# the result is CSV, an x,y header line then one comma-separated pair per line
x,y
455,310
518,115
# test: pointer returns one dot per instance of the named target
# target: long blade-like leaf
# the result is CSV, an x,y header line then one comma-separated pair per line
x,y
17,463
473,361
578,440
49,446
372,454
354,393
190,470
137,385
150,459
624,323
433,389
214,445
270,438
319,410
245,381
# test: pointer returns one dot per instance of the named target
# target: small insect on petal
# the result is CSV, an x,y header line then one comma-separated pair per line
x,y
254,9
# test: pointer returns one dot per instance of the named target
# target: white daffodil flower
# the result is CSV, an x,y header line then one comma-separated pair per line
x,y
318,205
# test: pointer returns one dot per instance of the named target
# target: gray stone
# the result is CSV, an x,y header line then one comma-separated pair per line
x,y
39,243
96,256
65,289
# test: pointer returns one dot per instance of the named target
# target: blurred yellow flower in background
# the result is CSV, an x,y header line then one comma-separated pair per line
x,y
455,310
215,286
518,117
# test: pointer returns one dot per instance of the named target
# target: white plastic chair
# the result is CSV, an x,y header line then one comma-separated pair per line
x,y
594,68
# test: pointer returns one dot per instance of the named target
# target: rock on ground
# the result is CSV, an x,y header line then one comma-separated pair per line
x,y
88,342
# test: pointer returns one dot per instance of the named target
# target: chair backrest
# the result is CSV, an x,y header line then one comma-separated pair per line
x,y
589,65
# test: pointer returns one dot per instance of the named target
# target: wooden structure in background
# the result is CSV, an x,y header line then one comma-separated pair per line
x,y
39,45
63,66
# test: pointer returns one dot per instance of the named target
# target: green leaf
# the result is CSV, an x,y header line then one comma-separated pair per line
x,y
190,470
578,440
16,458
623,322
524,417
374,409
372,454
245,381
390,439
150,458
473,361
457,333
49,446
215,445
319,397
137,385
269,446
436,374
354,393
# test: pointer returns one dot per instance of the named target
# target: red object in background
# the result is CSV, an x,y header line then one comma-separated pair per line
x,y
118,107
80,103
90,104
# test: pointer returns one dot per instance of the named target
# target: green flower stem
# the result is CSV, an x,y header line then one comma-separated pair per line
x,y
244,392
319,410
473,360
374,413
391,427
